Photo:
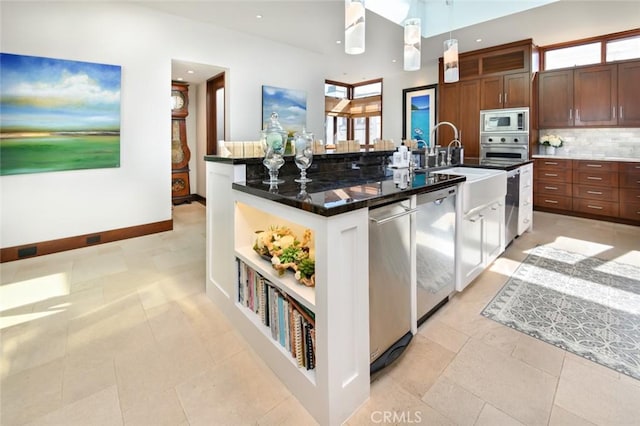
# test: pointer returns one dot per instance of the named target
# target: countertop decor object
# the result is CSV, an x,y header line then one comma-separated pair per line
x,y
274,139
549,144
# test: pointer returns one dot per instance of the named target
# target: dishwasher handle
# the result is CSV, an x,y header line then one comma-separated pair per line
x,y
393,216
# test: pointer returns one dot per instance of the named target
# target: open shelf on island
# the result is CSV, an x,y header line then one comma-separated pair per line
x,y
308,374
287,282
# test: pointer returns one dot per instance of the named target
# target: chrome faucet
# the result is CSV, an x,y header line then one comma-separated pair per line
x,y
432,145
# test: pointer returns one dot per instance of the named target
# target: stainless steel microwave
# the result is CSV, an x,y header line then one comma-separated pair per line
x,y
504,120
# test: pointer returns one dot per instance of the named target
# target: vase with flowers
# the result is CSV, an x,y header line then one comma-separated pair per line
x,y
549,144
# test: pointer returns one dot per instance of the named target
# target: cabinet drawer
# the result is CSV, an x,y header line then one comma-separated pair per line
x,y
552,201
554,175
630,211
595,193
630,180
551,188
553,164
631,168
595,178
602,166
604,208
628,195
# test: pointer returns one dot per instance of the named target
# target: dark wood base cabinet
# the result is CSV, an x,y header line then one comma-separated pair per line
x,y
606,190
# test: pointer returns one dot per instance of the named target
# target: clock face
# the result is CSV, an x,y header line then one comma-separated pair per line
x,y
177,100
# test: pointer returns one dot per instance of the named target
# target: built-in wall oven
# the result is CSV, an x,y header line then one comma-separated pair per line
x,y
504,134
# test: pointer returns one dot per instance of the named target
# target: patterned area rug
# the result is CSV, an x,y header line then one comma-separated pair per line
x,y
585,305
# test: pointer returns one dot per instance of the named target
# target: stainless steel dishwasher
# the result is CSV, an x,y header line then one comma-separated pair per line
x,y
389,282
435,250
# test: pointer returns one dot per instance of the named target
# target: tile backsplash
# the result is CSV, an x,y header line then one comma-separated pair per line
x,y
608,142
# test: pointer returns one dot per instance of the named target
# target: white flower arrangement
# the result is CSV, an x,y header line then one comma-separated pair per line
x,y
551,140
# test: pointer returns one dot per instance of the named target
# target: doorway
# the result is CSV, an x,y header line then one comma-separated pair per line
x,y
215,113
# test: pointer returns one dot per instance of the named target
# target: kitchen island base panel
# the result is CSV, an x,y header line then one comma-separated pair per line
x,y
342,381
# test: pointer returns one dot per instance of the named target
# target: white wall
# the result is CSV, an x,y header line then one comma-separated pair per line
x,y
46,206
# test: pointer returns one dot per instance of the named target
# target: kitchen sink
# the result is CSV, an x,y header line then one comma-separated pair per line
x,y
482,186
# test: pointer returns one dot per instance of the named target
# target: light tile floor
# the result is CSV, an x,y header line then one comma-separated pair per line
x,y
123,333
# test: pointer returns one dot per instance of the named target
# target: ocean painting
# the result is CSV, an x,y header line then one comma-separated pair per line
x,y
58,115
290,105
419,114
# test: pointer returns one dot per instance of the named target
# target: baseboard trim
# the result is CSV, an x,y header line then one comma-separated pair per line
x,y
9,254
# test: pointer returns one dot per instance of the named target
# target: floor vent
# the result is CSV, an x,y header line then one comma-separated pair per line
x,y
93,239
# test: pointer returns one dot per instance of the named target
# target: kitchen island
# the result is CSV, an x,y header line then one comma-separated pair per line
x,y
335,207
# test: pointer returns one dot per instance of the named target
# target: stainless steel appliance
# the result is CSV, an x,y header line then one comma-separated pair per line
x,y
504,120
504,134
389,282
512,201
435,250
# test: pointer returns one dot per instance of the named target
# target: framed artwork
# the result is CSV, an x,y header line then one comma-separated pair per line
x,y
418,112
290,105
58,115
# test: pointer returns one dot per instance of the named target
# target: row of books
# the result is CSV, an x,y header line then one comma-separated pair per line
x,y
291,324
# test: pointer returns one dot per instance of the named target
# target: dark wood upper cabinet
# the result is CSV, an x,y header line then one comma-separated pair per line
x,y
508,91
555,99
590,96
596,96
629,94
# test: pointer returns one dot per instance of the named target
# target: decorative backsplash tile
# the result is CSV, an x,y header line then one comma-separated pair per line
x,y
607,142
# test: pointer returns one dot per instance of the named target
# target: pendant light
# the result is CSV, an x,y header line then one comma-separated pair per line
x,y
451,64
412,41
354,12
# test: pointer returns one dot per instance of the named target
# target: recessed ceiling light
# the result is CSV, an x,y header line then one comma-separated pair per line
x,y
338,41
478,40
394,61
258,16
180,78
190,72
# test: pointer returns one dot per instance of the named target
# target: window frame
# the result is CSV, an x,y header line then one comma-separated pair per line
x,y
603,40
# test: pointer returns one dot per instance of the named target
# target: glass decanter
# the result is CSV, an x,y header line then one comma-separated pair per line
x,y
274,139
304,154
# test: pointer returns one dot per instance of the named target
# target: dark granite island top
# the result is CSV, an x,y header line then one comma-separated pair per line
x,y
332,194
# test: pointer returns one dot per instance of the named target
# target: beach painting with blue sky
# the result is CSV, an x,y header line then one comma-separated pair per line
x,y
58,115
290,105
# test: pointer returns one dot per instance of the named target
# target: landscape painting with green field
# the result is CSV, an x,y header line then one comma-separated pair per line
x,y
58,115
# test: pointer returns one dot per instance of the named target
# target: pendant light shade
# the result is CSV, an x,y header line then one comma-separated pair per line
x,y
451,69
412,41
354,12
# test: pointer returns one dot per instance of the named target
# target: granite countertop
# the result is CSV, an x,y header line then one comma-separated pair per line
x,y
587,157
329,195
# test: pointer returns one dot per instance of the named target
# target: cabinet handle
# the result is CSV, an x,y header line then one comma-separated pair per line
x,y
620,115
577,114
595,207
553,188
551,174
614,112
570,114
551,163
594,165
499,98
551,201
594,178
594,192
505,98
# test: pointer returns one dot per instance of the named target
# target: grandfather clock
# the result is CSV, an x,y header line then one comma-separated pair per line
x,y
180,154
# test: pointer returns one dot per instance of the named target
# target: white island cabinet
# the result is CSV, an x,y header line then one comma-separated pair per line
x,y
339,383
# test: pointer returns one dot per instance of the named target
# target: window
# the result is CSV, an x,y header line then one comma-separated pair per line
x,y
595,50
353,111
621,49
571,56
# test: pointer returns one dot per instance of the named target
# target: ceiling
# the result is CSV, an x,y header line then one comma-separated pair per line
x,y
317,25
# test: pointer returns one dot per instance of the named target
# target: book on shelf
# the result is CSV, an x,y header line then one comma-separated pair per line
x,y
290,324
